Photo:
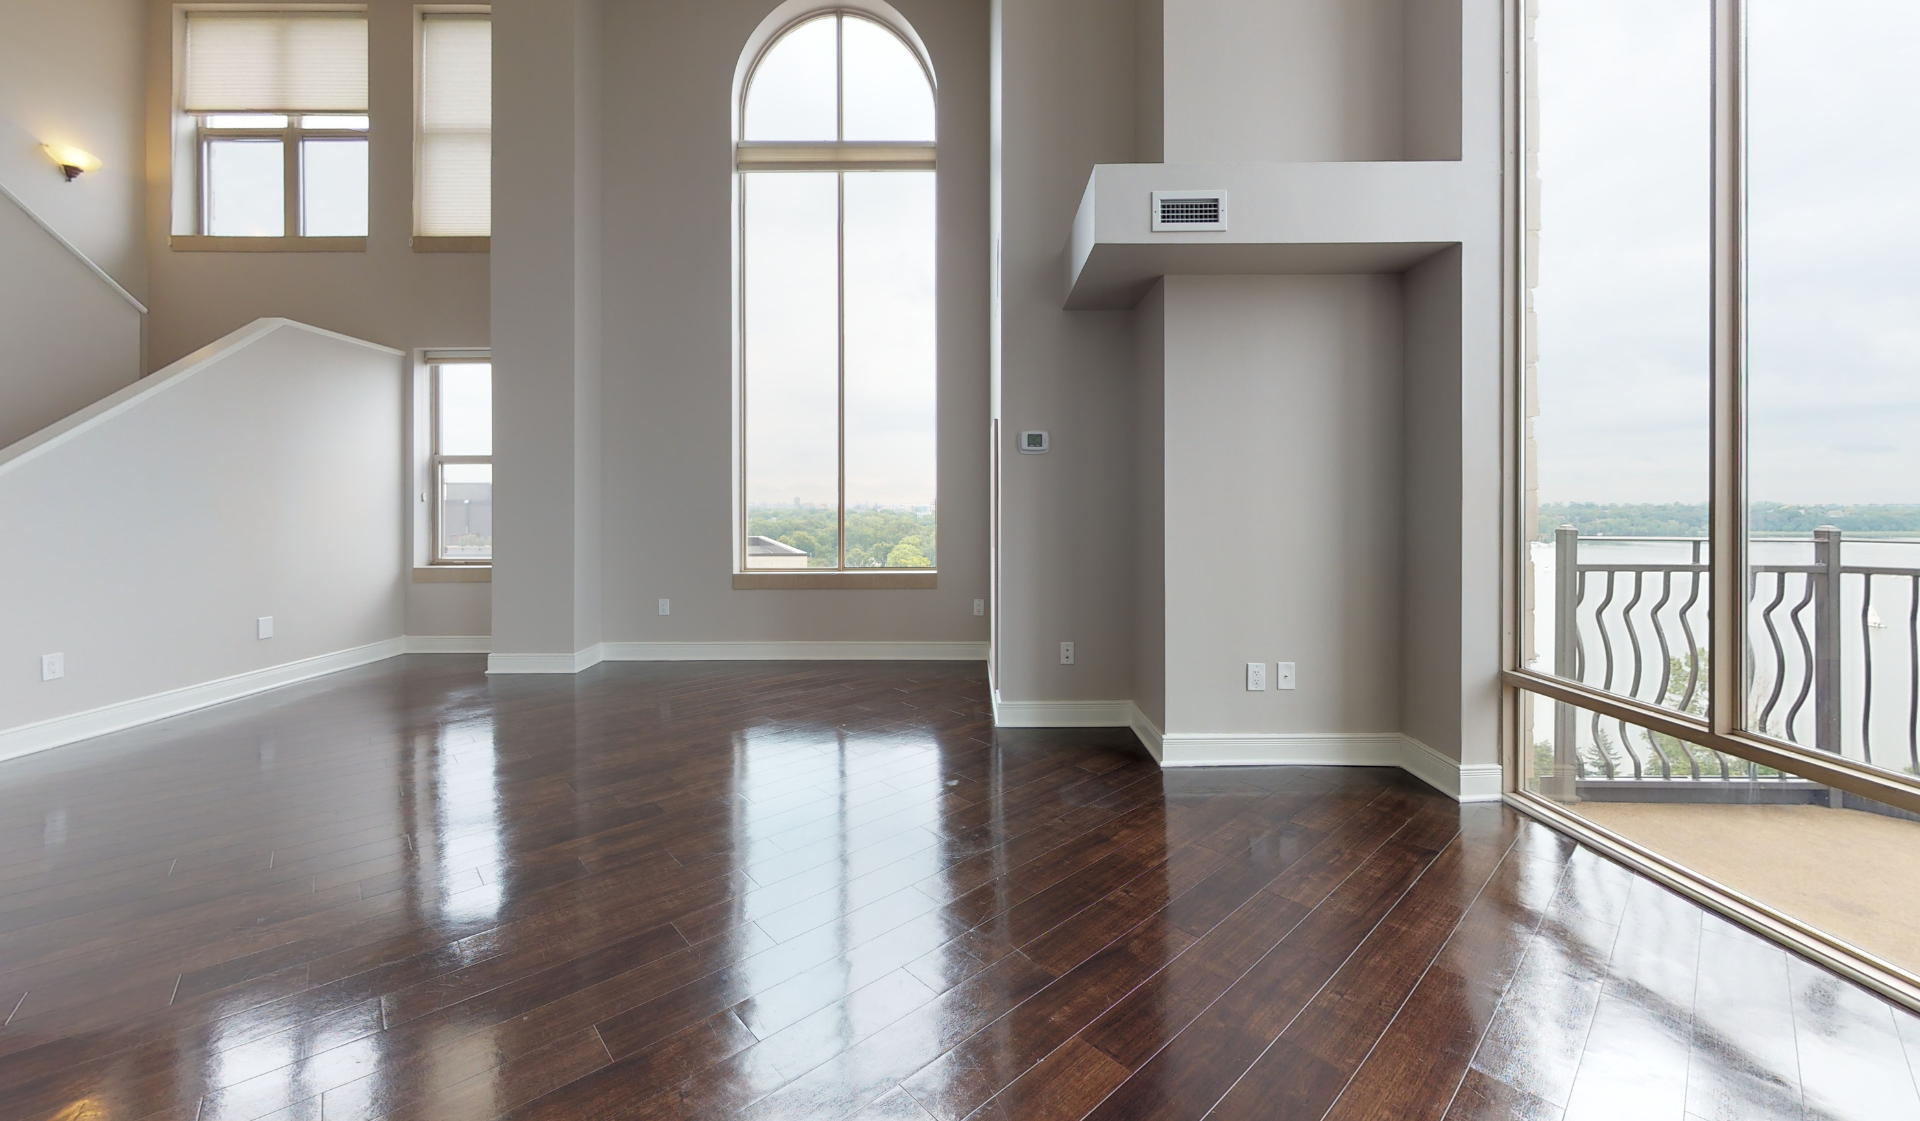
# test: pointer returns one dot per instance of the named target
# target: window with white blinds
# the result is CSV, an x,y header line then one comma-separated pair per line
x,y
276,62
455,179
278,147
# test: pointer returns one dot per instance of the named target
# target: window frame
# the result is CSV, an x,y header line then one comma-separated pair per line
x,y
437,461
292,138
437,243
190,137
838,157
1724,727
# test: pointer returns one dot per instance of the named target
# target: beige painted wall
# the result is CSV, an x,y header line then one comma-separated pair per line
x,y
73,72
70,73
1150,549
1065,102
1431,567
545,291
388,294
1254,81
1311,80
285,447
67,338
1283,501
666,416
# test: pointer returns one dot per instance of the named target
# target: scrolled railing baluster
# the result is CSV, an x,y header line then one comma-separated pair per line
x,y
1866,679
1806,655
1913,674
1693,644
1606,641
1633,636
1779,651
1660,632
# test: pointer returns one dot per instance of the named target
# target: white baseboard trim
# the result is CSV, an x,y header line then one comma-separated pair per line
x,y
548,663
447,643
60,730
1149,733
1062,714
795,651
1298,749
1465,782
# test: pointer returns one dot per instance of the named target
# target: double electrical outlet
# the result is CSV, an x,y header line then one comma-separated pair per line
x,y
1257,676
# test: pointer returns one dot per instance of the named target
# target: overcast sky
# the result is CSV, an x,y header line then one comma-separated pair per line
x,y
793,223
1622,300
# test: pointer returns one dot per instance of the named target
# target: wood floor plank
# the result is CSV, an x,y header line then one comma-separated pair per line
x,y
832,890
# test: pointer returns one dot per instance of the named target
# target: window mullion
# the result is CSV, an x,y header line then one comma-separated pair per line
x,y
290,140
1727,517
840,267
840,307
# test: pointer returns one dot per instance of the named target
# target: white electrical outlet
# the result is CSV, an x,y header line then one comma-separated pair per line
x,y
1256,677
666,607
53,667
979,607
1066,653
1283,675
263,627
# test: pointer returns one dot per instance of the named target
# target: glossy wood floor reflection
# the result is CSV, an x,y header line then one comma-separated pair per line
x,y
831,891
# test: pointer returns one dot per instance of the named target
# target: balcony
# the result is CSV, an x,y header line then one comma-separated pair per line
x,y
1832,663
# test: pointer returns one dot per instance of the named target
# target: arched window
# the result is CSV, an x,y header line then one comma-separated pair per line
x,y
836,159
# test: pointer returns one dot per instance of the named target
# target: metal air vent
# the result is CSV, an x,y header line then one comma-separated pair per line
x,y
1189,210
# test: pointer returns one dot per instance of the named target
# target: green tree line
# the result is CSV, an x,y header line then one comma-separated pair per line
x,y
1680,519
877,536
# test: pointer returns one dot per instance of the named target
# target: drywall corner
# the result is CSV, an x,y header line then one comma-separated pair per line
x,y
1431,638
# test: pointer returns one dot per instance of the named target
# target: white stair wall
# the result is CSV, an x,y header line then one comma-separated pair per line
x,y
69,335
144,535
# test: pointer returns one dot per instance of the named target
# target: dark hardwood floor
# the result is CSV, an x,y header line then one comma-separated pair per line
x,y
830,890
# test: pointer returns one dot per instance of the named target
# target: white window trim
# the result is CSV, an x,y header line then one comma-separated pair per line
x,y
428,565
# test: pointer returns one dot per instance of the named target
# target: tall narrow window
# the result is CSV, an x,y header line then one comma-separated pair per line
x,y
463,459
454,132
837,301
278,107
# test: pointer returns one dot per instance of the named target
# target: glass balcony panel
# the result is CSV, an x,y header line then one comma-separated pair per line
x,y
1833,384
1617,365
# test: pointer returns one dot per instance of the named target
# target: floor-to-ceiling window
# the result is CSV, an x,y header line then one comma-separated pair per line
x,y
1719,652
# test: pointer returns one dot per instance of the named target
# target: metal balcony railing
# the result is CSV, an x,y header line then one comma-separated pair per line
x,y
1813,673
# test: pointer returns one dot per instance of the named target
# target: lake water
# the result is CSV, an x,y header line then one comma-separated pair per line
x,y
1886,631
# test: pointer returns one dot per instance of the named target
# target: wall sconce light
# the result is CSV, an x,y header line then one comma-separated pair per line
x,y
72,160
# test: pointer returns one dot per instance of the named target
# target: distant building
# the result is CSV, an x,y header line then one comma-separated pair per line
x,y
765,552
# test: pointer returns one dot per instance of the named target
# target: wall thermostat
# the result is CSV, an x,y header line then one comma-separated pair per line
x,y
1033,443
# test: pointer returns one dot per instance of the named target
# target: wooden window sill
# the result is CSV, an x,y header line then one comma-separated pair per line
x,y
424,244
453,574
825,578
200,243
